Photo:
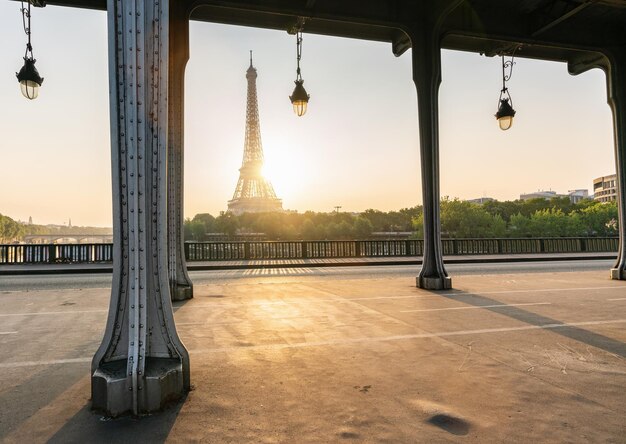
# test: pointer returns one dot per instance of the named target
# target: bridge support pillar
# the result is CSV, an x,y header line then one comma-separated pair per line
x,y
616,76
427,77
181,287
141,363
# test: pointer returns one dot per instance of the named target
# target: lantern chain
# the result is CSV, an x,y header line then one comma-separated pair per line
x,y
26,24
299,53
507,65
296,29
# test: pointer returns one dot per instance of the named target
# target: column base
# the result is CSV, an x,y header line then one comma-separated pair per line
x,y
161,384
618,274
434,283
181,292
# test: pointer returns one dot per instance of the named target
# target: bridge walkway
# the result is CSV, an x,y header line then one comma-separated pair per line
x,y
519,357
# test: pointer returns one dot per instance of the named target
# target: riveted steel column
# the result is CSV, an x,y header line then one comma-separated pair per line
x,y
181,287
141,363
617,101
427,77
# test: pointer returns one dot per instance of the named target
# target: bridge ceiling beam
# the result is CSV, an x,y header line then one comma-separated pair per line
x,y
476,24
559,28
496,29
554,12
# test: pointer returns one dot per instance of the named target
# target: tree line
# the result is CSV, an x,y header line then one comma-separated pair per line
x,y
558,217
10,230
14,231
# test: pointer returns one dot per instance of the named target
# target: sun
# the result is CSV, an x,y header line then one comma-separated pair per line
x,y
285,171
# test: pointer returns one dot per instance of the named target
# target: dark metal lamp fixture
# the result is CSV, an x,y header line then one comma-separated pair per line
x,y
299,98
506,112
29,77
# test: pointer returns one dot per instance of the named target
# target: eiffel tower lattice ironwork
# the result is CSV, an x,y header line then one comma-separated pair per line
x,y
254,193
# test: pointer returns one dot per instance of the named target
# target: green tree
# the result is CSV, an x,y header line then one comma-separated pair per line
x,y
187,233
503,209
552,222
288,232
520,226
377,218
206,219
198,231
309,231
464,219
418,226
270,224
600,219
10,230
227,223
362,227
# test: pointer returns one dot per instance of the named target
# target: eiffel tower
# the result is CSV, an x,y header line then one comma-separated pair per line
x,y
254,193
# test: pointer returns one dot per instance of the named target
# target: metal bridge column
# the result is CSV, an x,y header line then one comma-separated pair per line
x,y
180,284
427,77
617,101
141,364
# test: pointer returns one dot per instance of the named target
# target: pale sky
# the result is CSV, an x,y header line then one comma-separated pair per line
x,y
357,146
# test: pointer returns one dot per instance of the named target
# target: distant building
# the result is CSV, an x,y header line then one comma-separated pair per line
x,y
540,194
605,188
481,200
577,195
574,196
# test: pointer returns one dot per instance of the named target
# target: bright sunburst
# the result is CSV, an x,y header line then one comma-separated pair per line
x,y
283,169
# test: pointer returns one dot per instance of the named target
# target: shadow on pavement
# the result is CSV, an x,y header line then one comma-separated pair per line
x,y
576,333
177,305
24,400
88,426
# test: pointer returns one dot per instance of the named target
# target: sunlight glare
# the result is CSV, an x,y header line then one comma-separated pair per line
x,y
282,167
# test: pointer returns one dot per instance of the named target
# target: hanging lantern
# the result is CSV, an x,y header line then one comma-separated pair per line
x,y
505,115
506,112
299,98
29,77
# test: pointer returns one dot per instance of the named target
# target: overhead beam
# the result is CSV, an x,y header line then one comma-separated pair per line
x,y
585,62
567,10
385,20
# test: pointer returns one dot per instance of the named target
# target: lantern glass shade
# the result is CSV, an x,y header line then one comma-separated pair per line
x,y
29,79
299,99
299,107
505,122
30,89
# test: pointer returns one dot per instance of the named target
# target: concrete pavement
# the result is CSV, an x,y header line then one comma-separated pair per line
x,y
502,358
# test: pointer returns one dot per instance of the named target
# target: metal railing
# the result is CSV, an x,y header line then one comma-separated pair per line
x,y
259,250
55,253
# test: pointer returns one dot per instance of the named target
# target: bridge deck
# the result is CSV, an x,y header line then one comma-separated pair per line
x,y
502,358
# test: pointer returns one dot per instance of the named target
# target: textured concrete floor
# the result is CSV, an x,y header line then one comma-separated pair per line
x,y
502,358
